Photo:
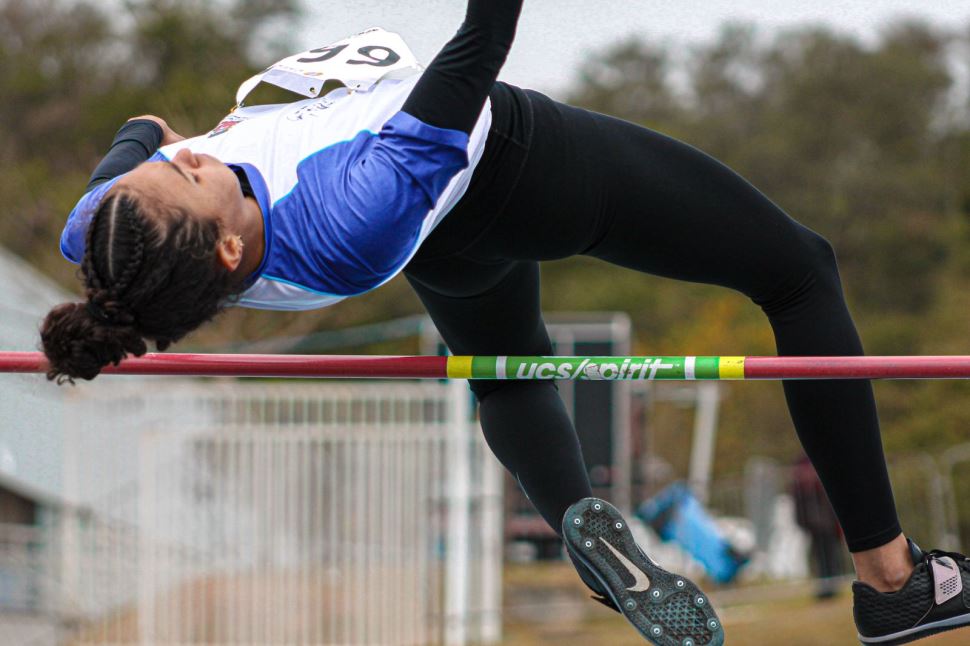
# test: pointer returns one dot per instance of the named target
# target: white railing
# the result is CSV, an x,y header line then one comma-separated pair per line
x,y
24,557
263,513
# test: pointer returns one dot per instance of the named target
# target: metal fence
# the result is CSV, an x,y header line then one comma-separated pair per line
x,y
363,513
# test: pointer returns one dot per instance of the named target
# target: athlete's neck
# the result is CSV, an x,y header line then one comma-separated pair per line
x,y
252,231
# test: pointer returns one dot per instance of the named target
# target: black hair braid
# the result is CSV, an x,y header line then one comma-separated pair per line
x,y
91,277
137,252
145,279
127,250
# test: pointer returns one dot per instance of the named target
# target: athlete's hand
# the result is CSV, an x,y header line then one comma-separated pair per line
x,y
169,136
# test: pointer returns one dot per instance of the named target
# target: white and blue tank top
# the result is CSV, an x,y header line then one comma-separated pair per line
x,y
349,186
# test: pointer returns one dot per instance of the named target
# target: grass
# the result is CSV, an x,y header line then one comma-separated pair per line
x,y
545,604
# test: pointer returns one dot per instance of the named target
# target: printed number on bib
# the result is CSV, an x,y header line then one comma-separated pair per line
x,y
358,62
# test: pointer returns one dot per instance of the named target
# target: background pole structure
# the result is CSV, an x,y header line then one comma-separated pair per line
x,y
543,368
701,465
458,498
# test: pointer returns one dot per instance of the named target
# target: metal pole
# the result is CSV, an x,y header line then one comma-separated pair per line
x,y
705,436
458,497
687,368
491,538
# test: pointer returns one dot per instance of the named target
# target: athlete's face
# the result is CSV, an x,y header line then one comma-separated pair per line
x,y
198,184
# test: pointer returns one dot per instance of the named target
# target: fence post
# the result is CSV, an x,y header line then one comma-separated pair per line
x,y
705,436
950,458
146,530
492,539
71,605
938,490
458,484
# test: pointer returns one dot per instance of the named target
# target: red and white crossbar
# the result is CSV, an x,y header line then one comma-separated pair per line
x,y
558,368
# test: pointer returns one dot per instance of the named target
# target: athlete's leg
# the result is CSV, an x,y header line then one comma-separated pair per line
x,y
636,198
726,232
705,224
493,309
525,423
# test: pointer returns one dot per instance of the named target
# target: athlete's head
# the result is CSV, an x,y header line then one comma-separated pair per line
x,y
158,262
200,185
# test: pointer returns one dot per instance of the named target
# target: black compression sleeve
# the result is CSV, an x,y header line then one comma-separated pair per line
x,y
135,142
452,91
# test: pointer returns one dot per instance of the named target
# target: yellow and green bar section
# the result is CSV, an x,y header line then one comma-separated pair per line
x,y
649,368
597,368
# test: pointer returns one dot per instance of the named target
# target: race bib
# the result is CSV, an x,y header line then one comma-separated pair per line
x,y
358,62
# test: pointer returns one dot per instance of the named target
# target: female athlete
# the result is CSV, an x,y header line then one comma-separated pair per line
x,y
465,184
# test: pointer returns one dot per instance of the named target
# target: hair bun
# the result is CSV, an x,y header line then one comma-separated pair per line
x,y
78,343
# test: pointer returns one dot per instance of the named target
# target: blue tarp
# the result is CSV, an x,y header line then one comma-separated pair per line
x,y
676,515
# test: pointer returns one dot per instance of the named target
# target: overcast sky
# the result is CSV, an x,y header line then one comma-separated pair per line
x,y
555,35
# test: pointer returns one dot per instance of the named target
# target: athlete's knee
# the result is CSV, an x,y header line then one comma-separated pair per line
x,y
821,253
819,260
808,270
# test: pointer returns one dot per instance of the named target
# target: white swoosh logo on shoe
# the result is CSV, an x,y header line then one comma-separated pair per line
x,y
641,582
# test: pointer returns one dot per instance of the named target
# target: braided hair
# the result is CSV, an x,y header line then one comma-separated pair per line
x,y
145,279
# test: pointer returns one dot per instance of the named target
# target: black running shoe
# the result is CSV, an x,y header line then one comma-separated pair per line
x,y
666,608
936,598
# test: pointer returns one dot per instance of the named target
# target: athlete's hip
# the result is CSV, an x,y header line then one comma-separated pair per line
x,y
537,193
494,178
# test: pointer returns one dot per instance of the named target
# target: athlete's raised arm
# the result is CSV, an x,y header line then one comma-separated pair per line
x,y
134,143
453,89
385,195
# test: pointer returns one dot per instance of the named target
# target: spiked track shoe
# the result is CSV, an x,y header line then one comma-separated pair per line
x,y
667,609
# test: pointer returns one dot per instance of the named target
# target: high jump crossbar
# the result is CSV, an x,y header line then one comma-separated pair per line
x,y
679,368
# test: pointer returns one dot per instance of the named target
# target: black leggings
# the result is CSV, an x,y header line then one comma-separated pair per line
x,y
558,181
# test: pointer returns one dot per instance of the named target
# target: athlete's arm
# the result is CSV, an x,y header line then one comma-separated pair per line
x,y
135,142
452,91
385,195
